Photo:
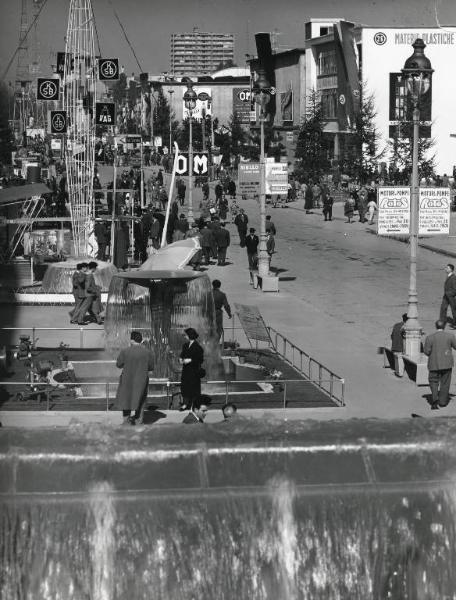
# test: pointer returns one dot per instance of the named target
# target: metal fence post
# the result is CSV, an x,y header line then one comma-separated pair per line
x,y
284,395
107,396
81,337
47,400
227,383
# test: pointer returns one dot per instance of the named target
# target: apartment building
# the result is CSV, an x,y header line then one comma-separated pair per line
x,y
200,53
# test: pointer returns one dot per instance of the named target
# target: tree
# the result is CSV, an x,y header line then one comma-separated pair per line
x,y
401,146
225,64
312,147
161,114
6,135
119,90
361,153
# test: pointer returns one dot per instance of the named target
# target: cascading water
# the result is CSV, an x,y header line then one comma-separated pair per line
x,y
254,511
161,309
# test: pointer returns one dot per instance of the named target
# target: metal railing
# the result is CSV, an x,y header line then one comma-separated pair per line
x,y
44,392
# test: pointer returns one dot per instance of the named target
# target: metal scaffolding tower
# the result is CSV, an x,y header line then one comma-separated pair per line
x,y
79,95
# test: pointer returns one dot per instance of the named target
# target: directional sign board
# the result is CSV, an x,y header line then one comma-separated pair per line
x,y
249,177
108,69
47,89
276,178
105,113
393,211
434,211
200,164
58,121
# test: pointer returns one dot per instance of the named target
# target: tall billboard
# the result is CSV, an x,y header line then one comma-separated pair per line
x,y
384,52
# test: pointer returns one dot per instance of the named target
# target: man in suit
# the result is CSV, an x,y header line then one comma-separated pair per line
x,y
198,412
79,280
241,221
251,244
449,295
438,347
220,302
222,239
92,301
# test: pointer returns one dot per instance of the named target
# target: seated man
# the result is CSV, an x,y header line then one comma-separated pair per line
x,y
199,410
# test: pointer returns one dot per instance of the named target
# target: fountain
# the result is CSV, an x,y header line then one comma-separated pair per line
x,y
268,510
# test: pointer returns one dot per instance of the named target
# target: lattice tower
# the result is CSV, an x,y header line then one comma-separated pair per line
x,y
28,68
79,95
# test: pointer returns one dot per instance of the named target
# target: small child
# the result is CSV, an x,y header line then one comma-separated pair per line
x,y
349,208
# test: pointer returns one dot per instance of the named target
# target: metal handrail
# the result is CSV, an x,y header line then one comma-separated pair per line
x,y
168,385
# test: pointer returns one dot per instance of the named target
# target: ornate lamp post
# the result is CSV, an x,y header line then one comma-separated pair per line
x,y
417,74
262,96
190,103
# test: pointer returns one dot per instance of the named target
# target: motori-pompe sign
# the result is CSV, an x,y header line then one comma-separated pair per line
x,y
434,211
393,211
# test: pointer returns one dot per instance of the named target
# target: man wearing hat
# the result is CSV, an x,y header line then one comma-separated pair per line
x,y
251,244
191,358
135,362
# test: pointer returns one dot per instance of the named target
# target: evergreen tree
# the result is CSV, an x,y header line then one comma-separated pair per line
x,y
119,90
312,147
6,135
161,113
401,146
361,153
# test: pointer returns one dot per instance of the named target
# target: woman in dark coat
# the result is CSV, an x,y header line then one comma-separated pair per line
x,y
191,359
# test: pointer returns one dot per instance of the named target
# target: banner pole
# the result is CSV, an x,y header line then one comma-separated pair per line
x,y
170,194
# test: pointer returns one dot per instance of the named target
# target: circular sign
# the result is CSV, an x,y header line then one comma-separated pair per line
x,y
356,93
58,122
380,38
108,69
48,89
203,96
272,91
342,99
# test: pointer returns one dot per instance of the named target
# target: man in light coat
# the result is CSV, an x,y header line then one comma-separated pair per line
x,y
136,362
438,348
449,295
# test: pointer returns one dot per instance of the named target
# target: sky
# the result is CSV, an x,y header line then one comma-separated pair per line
x,y
149,24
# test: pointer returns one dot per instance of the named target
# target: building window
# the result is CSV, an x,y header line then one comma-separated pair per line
x,y
326,63
329,104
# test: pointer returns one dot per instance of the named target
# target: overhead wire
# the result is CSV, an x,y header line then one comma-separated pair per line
x,y
125,34
22,39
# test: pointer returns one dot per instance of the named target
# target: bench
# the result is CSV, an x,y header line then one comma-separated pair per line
x,y
416,368
393,360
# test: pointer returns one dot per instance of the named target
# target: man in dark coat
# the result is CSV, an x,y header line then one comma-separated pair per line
x,y
101,235
251,244
438,347
397,335
207,241
241,220
449,295
222,239
79,280
136,362
92,300
220,302
191,358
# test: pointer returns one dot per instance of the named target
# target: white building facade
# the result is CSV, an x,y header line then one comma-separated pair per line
x,y
384,51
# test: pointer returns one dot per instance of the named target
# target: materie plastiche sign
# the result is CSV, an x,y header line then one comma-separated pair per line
x,y
393,211
434,211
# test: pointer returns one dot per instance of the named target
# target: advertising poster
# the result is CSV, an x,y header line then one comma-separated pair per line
x,y
241,104
276,178
249,180
393,211
434,211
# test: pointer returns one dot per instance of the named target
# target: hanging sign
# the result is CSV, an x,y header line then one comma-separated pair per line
x,y
393,211
108,69
249,177
200,164
434,211
58,121
276,178
47,89
60,63
105,113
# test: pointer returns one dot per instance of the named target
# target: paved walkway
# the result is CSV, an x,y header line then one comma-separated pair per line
x,y
301,311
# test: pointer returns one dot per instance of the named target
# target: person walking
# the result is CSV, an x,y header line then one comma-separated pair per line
x,y
251,244
92,300
220,303
449,295
222,239
371,208
101,235
135,362
438,348
207,241
241,220
328,202
269,225
191,358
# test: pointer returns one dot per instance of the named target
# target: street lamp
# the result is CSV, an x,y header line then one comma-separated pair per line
x,y
416,74
190,103
262,96
170,92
